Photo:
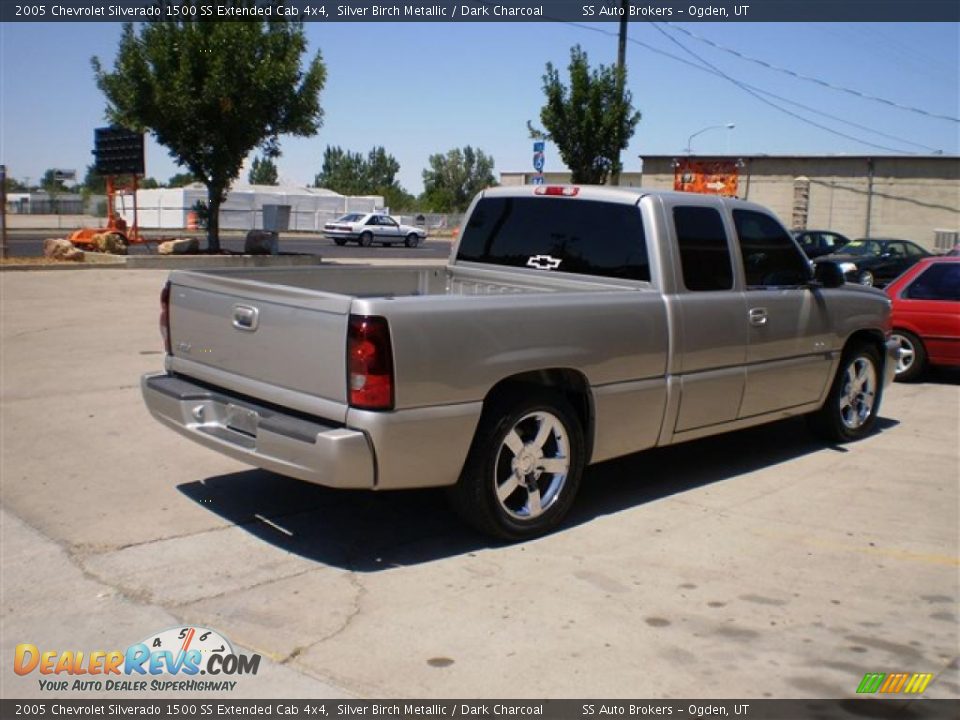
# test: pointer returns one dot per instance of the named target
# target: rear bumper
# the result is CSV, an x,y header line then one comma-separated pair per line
x,y
287,444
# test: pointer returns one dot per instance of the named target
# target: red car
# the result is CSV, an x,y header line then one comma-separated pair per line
x,y
926,315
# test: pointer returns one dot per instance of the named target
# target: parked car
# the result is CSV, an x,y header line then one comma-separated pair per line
x,y
954,251
571,325
369,228
876,261
815,243
926,315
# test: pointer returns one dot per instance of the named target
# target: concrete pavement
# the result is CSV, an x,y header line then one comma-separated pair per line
x,y
759,564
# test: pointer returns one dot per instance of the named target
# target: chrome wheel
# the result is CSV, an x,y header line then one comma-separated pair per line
x,y
532,466
908,354
866,278
858,393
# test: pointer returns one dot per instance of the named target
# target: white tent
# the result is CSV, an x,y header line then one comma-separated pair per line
x,y
310,208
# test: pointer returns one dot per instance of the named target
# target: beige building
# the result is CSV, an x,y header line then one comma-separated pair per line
x,y
911,197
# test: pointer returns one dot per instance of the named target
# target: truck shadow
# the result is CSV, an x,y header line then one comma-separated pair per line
x,y
370,532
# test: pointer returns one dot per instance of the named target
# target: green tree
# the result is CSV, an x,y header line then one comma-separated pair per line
x,y
182,180
93,182
349,173
51,184
591,121
149,183
453,179
213,91
15,186
342,171
263,172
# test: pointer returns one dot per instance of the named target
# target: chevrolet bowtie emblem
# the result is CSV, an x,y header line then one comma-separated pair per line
x,y
544,262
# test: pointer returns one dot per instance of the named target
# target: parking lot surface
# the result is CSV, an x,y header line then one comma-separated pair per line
x,y
760,564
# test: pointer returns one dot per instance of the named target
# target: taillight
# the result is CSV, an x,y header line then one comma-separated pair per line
x,y
369,363
562,190
165,317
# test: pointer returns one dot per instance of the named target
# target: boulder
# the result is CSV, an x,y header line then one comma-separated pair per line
x,y
261,242
182,246
112,243
61,249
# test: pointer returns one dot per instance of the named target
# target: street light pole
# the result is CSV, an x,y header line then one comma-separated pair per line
x,y
728,126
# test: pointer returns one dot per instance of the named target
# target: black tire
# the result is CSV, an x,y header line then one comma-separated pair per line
x,y
913,356
340,241
850,410
366,239
412,240
509,455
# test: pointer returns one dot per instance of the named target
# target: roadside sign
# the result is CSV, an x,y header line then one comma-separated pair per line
x,y
538,161
538,179
538,146
63,175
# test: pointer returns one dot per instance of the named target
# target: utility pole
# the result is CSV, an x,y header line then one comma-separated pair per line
x,y
3,211
621,73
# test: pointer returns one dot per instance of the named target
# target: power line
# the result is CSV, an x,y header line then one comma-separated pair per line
x,y
808,78
764,100
713,71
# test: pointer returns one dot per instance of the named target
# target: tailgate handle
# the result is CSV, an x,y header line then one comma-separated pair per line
x,y
245,317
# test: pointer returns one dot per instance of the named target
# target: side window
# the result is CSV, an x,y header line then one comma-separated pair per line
x,y
938,282
704,254
913,250
770,259
372,220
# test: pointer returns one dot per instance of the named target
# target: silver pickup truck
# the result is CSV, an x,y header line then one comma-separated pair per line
x,y
571,325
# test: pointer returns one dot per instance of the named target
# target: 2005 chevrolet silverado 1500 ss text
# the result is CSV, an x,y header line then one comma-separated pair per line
x,y
571,325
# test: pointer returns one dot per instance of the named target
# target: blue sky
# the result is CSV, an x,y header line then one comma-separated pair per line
x,y
419,89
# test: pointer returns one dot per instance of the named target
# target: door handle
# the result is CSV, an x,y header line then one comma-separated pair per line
x,y
758,317
245,317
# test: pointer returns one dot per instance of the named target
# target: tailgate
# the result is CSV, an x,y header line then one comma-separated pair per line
x,y
276,343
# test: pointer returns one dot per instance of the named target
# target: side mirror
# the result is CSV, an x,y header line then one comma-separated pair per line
x,y
828,274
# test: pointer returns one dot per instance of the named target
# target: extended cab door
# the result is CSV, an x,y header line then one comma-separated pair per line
x,y
710,316
788,324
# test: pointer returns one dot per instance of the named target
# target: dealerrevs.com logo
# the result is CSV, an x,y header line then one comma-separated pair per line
x,y
171,660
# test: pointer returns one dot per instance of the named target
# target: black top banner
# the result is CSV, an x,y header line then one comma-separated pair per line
x,y
178,709
482,11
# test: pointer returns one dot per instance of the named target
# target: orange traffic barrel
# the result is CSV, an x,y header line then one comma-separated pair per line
x,y
192,223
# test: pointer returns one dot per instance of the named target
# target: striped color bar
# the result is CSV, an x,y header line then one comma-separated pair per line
x,y
912,683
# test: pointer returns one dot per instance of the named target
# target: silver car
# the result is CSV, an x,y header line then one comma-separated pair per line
x,y
369,228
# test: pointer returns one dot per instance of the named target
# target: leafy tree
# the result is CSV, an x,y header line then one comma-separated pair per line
x,y
263,172
14,186
342,171
213,91
349,173
591,121
182,180
149,183
51,184
396,198
453,179
93,182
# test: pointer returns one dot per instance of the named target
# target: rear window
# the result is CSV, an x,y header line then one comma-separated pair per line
x,y
940,281
575,236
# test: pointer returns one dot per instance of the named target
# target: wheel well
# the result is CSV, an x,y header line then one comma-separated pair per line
x,y
868,337
571,384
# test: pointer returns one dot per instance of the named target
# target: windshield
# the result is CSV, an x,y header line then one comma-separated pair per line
x,y
861,247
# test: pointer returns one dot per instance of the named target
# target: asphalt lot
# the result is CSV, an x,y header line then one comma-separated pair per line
x,y
760,564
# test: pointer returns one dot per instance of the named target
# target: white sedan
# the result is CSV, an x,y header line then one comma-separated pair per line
x,y
368,228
